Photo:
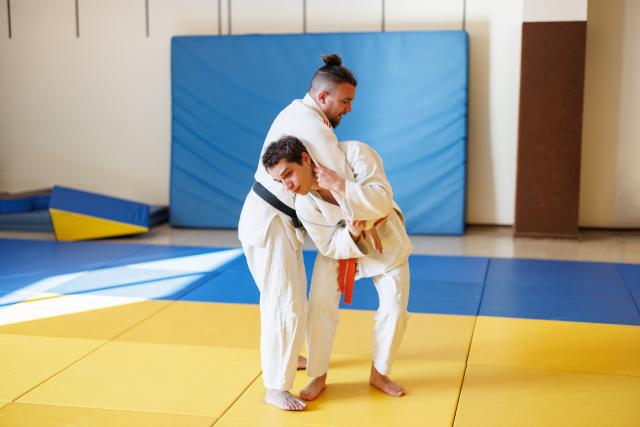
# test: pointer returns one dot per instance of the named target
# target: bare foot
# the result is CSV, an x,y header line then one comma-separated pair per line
x,y
302,362
314,388
284,400
384,384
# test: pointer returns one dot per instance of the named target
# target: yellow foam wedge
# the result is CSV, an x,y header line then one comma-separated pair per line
x,y
70,226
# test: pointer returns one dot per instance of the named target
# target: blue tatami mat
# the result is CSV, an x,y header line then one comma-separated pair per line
x,y
560,303
554,273
439,284
20,257
34,268
553,290
235,284
558,290
631,275
455,286
448,268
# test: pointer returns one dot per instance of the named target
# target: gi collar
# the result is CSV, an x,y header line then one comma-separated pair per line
x,y
311,103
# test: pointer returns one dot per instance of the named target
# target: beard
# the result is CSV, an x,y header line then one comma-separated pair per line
x,y
335,121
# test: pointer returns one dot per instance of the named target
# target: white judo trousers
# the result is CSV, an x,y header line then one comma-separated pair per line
x,y
369,196
278,270
323,315
273,247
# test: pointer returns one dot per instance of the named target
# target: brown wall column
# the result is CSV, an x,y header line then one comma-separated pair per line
x,y
550,127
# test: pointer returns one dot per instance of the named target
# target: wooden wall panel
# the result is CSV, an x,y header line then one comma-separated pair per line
x,y
550,126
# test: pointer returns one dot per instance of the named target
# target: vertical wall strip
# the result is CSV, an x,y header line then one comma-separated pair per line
x,y
464,15
219,17
77,20
229,15
146,17
304,16
383,17
9,16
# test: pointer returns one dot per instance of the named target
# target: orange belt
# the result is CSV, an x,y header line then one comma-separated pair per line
x,y
346,277
347,273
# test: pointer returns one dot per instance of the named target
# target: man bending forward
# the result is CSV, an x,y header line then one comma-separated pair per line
x,y
338,236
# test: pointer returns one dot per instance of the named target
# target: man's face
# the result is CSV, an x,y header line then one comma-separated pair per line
x,y
337,103
297,178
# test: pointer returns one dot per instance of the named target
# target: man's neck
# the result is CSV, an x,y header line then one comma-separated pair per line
x,y
327,196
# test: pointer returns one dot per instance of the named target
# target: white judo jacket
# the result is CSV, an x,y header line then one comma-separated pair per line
x,y
303,119
368,197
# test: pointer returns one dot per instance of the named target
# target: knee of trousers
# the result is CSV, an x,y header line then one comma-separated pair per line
x,y
291,313
393,311
278,311
322,308
328,298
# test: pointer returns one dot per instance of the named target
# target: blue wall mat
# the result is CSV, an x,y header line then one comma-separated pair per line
x,y
40,220
16,205
411,106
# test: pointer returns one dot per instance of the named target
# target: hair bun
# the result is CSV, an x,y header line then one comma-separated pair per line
x,y
332,59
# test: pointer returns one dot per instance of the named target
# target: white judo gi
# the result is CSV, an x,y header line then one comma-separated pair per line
x,y
273,247
368,197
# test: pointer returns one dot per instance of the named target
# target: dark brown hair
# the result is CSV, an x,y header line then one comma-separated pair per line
x,y
288,147
333,71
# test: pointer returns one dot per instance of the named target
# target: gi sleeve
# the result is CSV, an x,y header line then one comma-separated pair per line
x,y
370,196
332,240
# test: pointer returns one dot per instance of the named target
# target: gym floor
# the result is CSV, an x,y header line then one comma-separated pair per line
x,y
163,329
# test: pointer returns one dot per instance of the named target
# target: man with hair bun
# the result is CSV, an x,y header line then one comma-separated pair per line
x,y
271,234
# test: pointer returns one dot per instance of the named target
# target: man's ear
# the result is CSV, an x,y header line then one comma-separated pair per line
x,y
322,96
306,158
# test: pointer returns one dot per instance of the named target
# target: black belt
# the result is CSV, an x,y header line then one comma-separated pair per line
x,y
268,197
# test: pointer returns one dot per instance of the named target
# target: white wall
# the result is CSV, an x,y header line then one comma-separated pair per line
x,y
495,28
610,179
554,10
91,112
94,112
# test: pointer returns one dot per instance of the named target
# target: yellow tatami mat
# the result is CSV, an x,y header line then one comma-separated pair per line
x,y
568,346
495,396
201,323
428,336
245,422
28,361
430,366
28,415
102,323
172,379
432,393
